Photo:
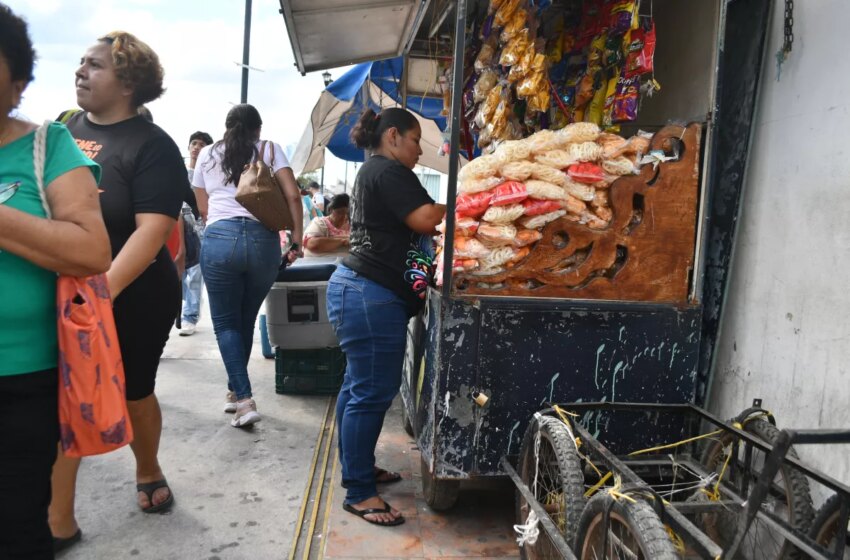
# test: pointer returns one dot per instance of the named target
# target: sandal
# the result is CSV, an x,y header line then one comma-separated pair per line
x,y
148,488
362,513
389,476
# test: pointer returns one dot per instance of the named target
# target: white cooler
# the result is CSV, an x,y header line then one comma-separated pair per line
x,y
296,307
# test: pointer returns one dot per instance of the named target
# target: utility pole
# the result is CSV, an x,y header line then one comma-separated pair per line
x,y
246,49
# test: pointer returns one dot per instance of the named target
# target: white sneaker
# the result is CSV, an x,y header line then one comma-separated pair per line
x,y
188,329
230,403
246,414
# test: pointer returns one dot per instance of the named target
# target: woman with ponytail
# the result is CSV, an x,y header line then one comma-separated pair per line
x,y
240,257
379,286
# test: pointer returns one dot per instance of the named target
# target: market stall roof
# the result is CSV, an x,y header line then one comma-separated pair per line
x,y
333,33
375,85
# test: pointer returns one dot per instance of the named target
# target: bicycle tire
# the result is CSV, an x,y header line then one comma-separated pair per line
x,y
642,524
797,495
555,439
825,527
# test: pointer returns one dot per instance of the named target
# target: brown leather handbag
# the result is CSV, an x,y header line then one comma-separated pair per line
x,y
259,193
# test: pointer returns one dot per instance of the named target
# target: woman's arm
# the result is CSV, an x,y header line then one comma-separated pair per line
x,y
286,179
426,218
325,244
56,244
203,202
152,231
180,257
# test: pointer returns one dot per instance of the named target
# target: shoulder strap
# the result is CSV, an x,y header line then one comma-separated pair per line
x,y
39,157
261,155
66,115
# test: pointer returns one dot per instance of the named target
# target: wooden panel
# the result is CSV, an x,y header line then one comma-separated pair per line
x,y
645,254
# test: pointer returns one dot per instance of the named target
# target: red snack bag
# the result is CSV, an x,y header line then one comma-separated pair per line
x,y
626,99
473,205
587,173
641,51
509,192
534,207
466,226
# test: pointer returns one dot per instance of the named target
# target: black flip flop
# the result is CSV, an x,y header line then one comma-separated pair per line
x,y
60,544
394,476
148,488
362,513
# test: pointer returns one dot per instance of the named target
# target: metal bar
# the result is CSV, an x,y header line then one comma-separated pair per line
x,y
289,20
405,78
417,22
246,51
821,436
698,540
353,8
554,535
703,507
454,151
439,21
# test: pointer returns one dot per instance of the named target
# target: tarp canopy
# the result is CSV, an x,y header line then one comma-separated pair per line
x,y
375,85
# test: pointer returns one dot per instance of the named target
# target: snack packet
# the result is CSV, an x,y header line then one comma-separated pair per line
x,y
479,168
470,248
473,205
535,207
534,222
509,192
485,83
625,105
503,214
471,186
526,237
496,235
543,190
587,173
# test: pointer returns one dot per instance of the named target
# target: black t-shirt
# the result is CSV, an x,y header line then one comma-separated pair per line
x,y
383,248
143,171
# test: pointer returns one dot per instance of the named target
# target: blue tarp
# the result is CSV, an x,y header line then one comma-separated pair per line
x,y
385,74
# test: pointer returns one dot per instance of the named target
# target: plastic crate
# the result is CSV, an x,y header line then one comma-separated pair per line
x,y
309,372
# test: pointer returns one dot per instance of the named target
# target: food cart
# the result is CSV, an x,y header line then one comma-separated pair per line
x,y
628,311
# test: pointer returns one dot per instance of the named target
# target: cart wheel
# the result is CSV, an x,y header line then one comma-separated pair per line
x,y
789,498
440,495
560,482
405,421
826,527
632,530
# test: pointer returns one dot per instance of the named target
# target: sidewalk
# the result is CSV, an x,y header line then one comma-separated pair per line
x,y
238,493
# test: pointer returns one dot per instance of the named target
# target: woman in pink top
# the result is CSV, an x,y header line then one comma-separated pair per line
x,y
329,235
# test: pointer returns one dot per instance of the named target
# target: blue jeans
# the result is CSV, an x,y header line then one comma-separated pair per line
x,y
193,286
371,324
239,258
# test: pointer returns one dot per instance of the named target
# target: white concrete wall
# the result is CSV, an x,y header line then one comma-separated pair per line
x,y
786,331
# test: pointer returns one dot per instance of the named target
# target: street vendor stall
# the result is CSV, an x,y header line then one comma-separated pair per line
x,y
588,240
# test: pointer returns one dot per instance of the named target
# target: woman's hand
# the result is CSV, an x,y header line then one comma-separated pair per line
x,y
152,232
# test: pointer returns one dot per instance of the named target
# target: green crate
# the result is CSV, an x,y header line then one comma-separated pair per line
x,y
309,372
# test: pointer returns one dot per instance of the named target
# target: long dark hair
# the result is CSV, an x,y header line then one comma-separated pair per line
x,y
367,133
240,139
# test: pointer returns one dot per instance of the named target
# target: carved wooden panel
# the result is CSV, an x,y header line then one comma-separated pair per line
x,y
645,254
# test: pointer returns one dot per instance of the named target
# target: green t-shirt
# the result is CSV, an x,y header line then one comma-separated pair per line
x,y
28,341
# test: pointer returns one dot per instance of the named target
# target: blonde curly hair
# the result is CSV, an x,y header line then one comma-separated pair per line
x,y
136,65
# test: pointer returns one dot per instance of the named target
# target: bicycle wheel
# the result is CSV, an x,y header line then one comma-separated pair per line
x,y
826,529
559,487
633,532
788,499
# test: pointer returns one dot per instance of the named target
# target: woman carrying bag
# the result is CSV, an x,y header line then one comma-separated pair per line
x,y
240,256
32,251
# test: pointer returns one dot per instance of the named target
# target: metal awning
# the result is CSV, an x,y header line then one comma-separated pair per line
x,y
332,33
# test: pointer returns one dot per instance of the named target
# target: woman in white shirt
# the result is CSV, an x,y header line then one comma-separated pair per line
x,y
240,256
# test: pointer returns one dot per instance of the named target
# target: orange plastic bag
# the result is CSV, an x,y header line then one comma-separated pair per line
x,y
93,415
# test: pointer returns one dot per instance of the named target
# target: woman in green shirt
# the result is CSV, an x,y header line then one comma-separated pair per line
x,y
32,250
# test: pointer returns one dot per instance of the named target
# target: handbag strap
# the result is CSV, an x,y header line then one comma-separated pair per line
x,y
271,153
39,157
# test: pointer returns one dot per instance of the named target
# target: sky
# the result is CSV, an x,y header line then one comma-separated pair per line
x,y
199,43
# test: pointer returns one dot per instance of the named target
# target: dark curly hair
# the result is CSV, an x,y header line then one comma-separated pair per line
x,y
240,139
202,136
15,45
367,133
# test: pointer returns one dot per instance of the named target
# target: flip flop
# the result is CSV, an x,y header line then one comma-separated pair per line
x,y
391,477
60,544
148,488
362,513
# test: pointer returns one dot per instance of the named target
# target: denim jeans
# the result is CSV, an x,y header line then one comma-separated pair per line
x,y
371,324
239,258
193,288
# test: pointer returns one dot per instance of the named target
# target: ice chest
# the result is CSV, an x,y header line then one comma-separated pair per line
x,y
296,307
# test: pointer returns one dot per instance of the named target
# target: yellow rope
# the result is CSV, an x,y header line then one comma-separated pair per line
x,y
677,444
677,540
563,415
598,485
615,493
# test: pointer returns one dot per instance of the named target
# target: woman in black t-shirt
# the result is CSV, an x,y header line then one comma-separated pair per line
x,y
142,189
373,294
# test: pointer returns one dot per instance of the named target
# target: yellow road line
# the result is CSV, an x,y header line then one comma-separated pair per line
x,y
304,500
317,502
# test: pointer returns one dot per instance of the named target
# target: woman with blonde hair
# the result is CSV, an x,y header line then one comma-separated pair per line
x,y
143,184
